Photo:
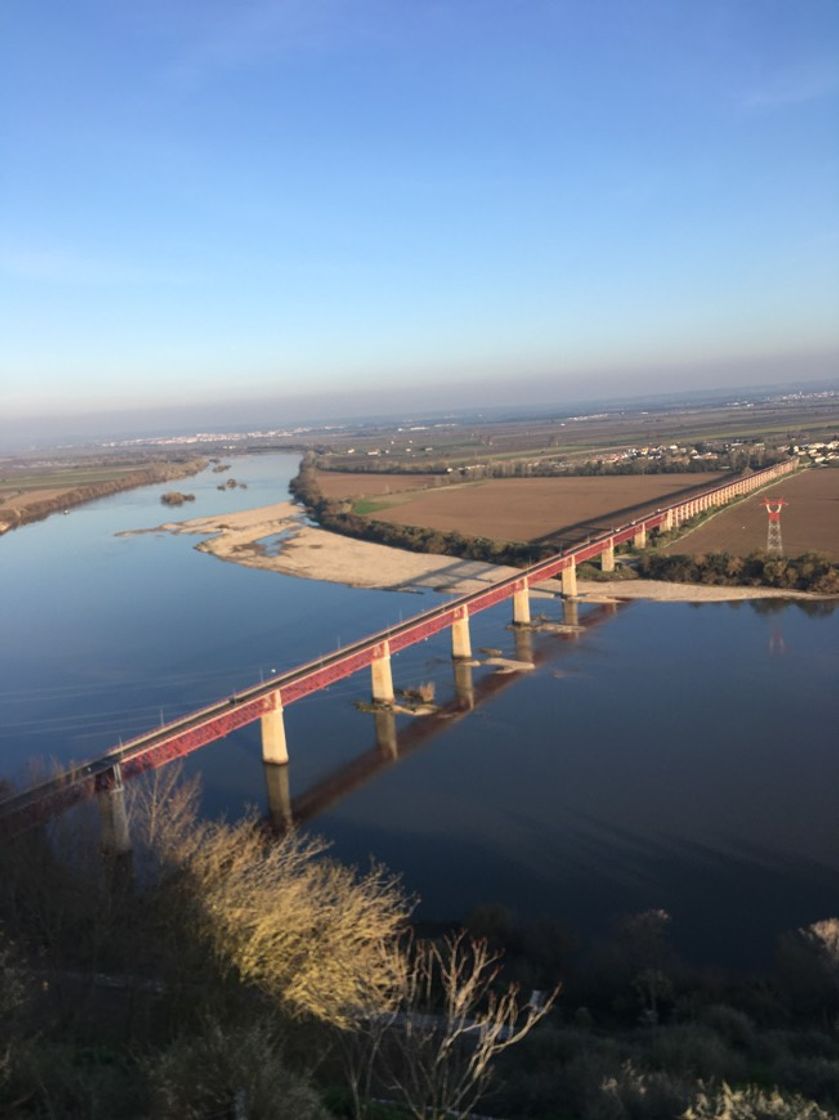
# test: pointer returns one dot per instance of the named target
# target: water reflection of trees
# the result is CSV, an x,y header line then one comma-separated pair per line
x,y
813,608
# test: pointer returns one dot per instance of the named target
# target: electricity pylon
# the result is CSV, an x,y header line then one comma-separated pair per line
x,y
774,543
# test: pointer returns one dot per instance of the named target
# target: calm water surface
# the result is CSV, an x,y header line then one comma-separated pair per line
x,y
672,756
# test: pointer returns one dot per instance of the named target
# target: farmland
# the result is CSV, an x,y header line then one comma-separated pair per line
x,y
810,523
370,485
29,493
542,510
554,436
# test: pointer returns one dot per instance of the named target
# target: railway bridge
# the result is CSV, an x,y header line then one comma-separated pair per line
x,y
266,702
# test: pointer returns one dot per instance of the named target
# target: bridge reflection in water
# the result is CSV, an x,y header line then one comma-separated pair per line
x,y
393,743
266,702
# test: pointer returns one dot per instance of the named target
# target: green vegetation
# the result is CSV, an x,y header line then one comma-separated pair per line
x,y
337,515
235,973
367,505
595,573
543,464
809,572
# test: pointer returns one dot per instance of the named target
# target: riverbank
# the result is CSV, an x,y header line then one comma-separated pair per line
x,y
250,538
23,504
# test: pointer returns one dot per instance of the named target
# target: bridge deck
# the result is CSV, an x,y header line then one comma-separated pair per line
x,y
198,728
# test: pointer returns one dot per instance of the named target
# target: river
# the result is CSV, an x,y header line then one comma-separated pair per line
x,y
671,755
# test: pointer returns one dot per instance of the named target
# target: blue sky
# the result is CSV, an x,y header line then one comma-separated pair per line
x,y
285,199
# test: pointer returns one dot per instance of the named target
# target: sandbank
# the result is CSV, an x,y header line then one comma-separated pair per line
x,y
312,553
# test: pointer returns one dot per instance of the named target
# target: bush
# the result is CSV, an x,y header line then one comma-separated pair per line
x,y
816,1076
203,1076
734,1026
57,1080
725,1103
630,1095
310,934
696,1050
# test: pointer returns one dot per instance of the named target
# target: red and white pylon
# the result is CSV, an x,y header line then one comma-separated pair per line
x,y
774,543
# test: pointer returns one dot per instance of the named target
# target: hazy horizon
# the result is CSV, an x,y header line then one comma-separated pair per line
x,y
325,205
241,415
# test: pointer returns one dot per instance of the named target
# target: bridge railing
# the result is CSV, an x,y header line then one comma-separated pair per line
x,y
196,728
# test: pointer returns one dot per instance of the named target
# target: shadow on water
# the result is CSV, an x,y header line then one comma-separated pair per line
x,y
393,744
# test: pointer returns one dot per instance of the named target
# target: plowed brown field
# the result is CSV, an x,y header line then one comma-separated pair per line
x,y
363,485
535,509
810,523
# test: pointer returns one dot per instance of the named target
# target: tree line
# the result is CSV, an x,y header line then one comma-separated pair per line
x,y
736,459
812,571
337,515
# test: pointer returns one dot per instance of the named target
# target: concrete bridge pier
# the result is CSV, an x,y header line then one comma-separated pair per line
x,y
521,606
274,747
113,817
640,538
667,523
279,796
461,638
607,558
386,738
524,645
569,580
571,612
382,678
464,684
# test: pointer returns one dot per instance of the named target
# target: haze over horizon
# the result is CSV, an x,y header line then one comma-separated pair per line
x,y
336,206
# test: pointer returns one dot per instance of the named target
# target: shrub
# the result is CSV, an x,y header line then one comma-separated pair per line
x,y
210,1074
734,1026
696,1050
56,1080
725,1103
309,933
631,1095
816,1076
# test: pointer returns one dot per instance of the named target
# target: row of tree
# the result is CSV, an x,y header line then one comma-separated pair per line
x,y
337,515
738,459
812,571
